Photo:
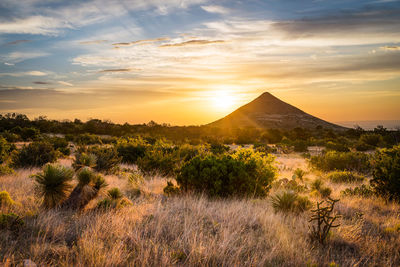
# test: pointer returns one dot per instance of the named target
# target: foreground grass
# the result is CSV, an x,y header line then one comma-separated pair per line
x,y
193,230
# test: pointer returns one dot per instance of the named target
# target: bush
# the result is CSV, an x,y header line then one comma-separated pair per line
x,y
107,158
88,139
318,186
361,146
131,150
5,149
345,177
53,184
333,160
115,199
299,173
60,144
170,189
35,154
83,159
386,173
5,199
371,139
11,222
289,201
363,191
244,174
5,169
336,147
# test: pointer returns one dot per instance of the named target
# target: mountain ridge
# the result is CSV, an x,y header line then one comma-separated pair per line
x,y
268,111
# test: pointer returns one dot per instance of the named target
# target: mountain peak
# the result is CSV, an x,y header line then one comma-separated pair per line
x,y
268,111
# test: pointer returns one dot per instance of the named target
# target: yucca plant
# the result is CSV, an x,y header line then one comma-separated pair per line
x,y
53,184
290,201
115,199
88,188
84,160
299,173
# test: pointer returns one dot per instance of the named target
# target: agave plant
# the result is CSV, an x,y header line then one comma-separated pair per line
x,y
53,184
88,188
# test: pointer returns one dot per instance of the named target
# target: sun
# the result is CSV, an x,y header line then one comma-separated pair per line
x,y
223,100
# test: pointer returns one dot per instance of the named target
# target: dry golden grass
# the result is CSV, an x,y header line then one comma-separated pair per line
x,y
195,231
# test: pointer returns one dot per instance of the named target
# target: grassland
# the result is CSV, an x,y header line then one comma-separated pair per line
x,y
195,230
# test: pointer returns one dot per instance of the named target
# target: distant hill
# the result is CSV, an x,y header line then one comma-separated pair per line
x,y
267,111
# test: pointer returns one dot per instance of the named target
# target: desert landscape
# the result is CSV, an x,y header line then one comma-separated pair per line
x,y
200,133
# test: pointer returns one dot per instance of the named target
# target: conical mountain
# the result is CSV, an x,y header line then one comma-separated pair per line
x,y
267,111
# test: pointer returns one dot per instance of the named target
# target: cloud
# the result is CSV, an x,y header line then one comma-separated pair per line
x,y
115,70
390,48
215,9
41,83
93,42
33,25
17,42
140,42
21,74
65,83
17,57
193,42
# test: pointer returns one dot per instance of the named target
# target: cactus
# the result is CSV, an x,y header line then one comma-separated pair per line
x,y
324,221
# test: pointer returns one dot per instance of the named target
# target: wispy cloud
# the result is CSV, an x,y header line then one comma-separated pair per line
x,y
17,57
140,42
34,25
21,74
115,70
194,42
216,9
93,42
42,83
17,42
65,83
390,47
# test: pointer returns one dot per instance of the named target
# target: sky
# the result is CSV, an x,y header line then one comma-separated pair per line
x,y
190,62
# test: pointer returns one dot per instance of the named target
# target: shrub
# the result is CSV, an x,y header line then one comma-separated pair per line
x,y
88,139
11,222
115,199
345,177
333,160
158,161
318,186
88,188
107,158
5,169
60,144
5,199
5,149
131,150
361,146
300,146
53,184
363,191
83,159
325,219
289,201
299,173
35,154
244,173
170,189
371,139
336,147
386,173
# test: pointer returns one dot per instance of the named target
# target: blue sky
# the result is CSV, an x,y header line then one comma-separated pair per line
x,y
190,62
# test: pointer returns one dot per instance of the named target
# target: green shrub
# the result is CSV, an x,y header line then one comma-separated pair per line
x,y
53,184
361,146
289,201
5,149
131,150
336,147
11,222
35,154
88,188
345,177
371,139
5,199
325,192
299,174
5,169
60,144
386,173
115,199
171,189
83,159
318,186
88,139
333,160
244,173
107,158
363,191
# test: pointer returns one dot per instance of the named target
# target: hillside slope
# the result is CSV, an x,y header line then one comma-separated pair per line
x,y
267,111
